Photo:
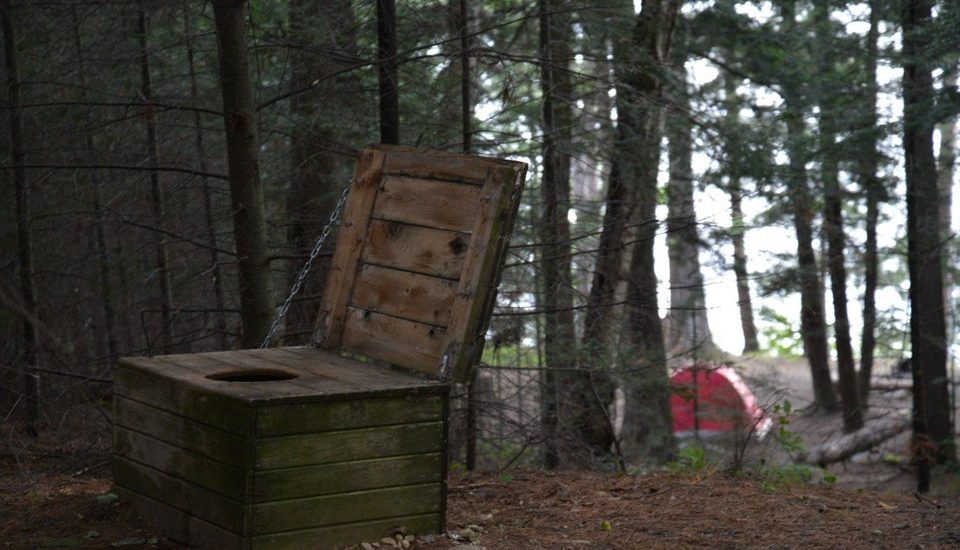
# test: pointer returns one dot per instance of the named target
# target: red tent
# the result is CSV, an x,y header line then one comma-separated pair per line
x,y
718,397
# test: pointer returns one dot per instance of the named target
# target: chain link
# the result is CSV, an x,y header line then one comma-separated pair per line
x,y
298,283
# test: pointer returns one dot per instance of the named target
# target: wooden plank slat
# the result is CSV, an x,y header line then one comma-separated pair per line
x,y
342,477
159,389
440,165
403,294
481,272
329,538
182,463
180,526
182,495
304,513
180,431
344,415
431,203
350,239
401,342
420,249
347,445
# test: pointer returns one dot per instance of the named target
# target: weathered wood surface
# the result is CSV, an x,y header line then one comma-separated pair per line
x,y
152,384
179,383
343,477
434,213
304,513
350,239
477,288
344,415
329,538
222,478
403,294
181,526
326,447
430,203
187,497
399,341
180,431
425,250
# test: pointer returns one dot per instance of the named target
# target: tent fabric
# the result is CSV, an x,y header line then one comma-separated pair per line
x,y
718,397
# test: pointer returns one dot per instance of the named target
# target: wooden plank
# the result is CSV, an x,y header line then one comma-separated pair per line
x,y
363,377
344,415
180,526
348,445
342,477
182,495
398,341
481,272
350,240
349,534
403,294
156,388
180,431
419,249
431,203
222,363
208,473
304,513
440,165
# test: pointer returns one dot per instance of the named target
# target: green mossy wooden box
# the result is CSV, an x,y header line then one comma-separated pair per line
x,y
345,441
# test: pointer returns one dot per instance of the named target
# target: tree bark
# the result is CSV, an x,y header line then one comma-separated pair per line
x,y
320,163
99,233
648,432
738,228
466,104
208,218
161,260
874,193
833,225
387,67
557,121
689,329
812,322
246,191
933,430
945,173
29,376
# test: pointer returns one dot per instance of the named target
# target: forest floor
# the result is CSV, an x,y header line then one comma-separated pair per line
x,y
56,492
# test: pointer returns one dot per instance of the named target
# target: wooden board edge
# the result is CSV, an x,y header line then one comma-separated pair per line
x,y
476,295
328,329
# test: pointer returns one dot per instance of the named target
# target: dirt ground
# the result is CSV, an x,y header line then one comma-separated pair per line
x,y
49,500
56,493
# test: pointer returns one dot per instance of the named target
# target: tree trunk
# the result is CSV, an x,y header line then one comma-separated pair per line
x,y
466,105
833,227
208,218
29,376
246,192
99,233
738,228
689,329
648,432
874,192
945,172
559,337
933,432
812,323
162,261
324,34
387,67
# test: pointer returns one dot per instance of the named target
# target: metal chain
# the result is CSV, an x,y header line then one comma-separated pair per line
x,y
295,289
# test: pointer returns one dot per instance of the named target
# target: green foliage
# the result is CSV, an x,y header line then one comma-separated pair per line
x,y
781,334
692,459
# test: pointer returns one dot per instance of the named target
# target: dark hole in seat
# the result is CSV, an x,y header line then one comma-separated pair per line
x,y
252,375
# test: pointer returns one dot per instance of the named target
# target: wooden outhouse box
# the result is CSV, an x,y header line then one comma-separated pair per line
x,y
344,441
